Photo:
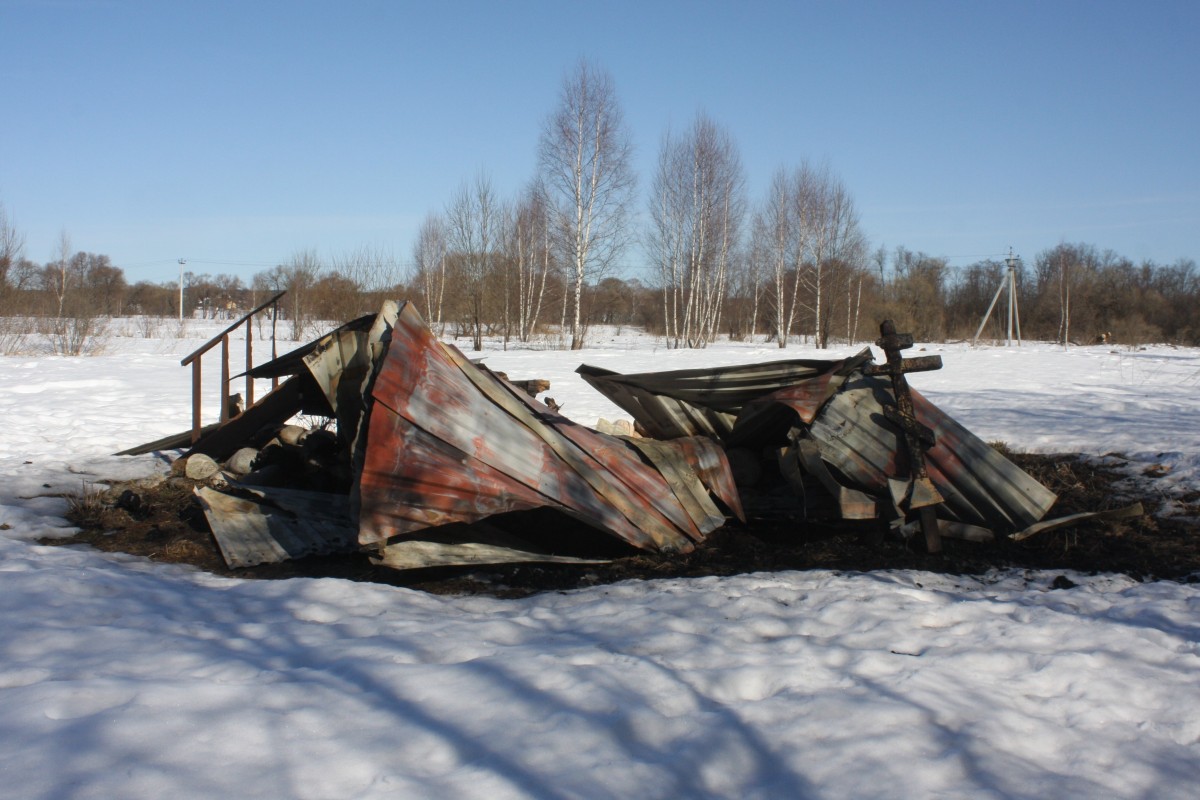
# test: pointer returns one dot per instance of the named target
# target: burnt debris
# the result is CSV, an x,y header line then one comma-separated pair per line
x,y
421,457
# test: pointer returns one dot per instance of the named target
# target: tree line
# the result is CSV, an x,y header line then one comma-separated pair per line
x,y
791,266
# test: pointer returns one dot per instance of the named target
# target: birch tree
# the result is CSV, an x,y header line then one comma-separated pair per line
x,y
783,233
430,253
529,247
1064,301
748,288
12,242
839,246
774,234
666,243
584,156
697,209
472,219
59,272
298,277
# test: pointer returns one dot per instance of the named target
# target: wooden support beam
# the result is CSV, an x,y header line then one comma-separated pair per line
x,y
195,400
224,377
249,364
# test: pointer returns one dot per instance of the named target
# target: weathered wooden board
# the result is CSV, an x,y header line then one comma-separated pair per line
x,y
280,525
468,545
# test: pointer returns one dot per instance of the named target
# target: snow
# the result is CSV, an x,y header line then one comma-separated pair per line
x,y
121,677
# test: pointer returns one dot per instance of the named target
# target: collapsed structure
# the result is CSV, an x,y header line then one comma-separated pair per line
x,y
436,460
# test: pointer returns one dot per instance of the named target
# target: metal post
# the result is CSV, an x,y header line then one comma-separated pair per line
x,y
182,261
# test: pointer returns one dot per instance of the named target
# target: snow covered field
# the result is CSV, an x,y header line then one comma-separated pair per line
x,y
125,678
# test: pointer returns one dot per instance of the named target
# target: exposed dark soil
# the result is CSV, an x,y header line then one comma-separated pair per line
x,y
166,524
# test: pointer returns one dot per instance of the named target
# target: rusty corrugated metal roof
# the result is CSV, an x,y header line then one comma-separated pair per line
x,y
978,484
448,441
705,402
842,411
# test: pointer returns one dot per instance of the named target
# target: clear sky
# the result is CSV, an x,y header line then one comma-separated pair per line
x,y
235,134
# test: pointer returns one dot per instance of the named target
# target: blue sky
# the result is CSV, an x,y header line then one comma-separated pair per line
x,y
235,134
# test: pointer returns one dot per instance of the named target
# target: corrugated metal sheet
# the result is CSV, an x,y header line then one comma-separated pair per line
x,y
706,402
447,441
978,484
292,363
282,524
843,412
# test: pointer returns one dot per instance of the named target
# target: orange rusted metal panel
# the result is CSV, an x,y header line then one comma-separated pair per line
x,y
448,441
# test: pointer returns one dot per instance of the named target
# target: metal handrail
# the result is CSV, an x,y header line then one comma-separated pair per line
x,y
223,338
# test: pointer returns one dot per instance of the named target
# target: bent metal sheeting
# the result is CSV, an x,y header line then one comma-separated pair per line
x,y
839,409
448,441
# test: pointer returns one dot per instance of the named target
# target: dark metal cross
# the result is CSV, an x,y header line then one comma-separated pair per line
x,y
923,496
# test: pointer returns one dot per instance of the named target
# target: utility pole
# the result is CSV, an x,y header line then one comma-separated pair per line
x,y
1009,281
182,261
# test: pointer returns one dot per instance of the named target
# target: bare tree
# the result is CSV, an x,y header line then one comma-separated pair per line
x,y
1065,272
584,156
103,285
12,242
879,259
783,231
429,259
336,296
529,247
837,244
697,209
360,280
13,271
666,243
1064,299
773,237
297,277
58,273
918,294
472,220
79,284
746,291
806,236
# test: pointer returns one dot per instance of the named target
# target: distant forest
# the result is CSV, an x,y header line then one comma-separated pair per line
x,y
1070,293
794,267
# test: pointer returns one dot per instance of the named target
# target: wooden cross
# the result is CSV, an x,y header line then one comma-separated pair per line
x,y
923,496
